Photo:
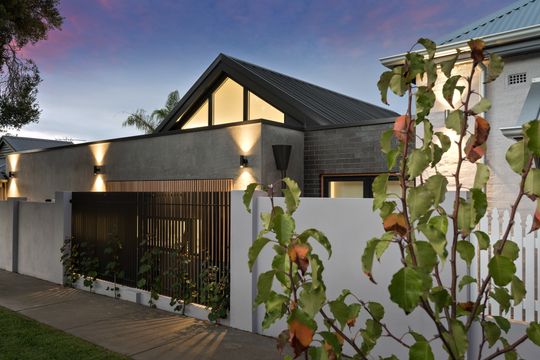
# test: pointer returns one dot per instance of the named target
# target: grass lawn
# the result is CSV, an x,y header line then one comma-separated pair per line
x,y
23,338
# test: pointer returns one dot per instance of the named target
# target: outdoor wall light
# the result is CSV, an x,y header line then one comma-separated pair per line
x,y
98,170
282,154
243,161
12,174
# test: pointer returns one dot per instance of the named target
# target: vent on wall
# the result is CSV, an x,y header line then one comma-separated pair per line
x,y
518,78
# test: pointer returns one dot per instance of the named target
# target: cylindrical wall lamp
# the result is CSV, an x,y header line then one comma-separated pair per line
x,y
282,154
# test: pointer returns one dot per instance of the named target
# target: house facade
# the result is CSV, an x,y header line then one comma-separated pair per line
x,y
222,133
514,34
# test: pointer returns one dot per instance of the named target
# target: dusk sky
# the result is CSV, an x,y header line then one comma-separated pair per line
x,y
114,56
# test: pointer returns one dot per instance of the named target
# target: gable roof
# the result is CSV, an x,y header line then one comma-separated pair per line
x,y
309,104
19,143
521,14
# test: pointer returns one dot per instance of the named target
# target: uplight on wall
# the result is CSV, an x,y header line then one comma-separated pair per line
x,y
243,161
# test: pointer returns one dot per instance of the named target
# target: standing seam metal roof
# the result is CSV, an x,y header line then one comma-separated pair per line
x,y
19,143
520,14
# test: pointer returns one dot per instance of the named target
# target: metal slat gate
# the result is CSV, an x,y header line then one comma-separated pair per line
x,y
187,230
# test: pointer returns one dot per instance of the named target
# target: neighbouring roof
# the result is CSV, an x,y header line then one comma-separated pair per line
x,y
19,143
521,14
309,104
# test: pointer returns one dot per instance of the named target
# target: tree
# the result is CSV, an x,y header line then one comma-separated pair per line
x,y
22,22
429,237
149,122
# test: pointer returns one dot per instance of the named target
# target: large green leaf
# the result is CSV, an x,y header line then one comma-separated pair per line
x,y
398,83
444,140
426,257
283,226
248,196
318,236
421,350
264,286
386,140
449,87
440,297
419,200
368,256
491,331
481,106
312,299
370,333
342,312
495,67
448,65
429,45
501,296
436,184
466,251
465,280
455,120
532,183
479,203
317,267
466,216
276,307
436,237
417,162
425,99
292,195
483,239
501,270
383,84
532,131
482,176
379,190
458,341
533,331
255,249
406,288
510,249
376,310
517,156
517,290
503,323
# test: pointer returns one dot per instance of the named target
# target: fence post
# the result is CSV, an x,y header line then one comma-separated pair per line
x,y
14,234
62,225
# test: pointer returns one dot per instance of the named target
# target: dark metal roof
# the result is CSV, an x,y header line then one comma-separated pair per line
x,y
521,14
19,143
310,104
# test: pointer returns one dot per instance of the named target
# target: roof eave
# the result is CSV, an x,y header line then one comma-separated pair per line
x,y
491,41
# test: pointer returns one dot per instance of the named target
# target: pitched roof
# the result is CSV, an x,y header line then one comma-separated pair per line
x,y
310,104
19,143
521,14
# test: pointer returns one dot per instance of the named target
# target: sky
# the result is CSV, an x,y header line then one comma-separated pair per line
x,y
115,56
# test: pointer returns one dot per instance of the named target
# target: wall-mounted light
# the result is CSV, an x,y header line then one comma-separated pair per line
x,y
12,174
282,154
98,170
243,161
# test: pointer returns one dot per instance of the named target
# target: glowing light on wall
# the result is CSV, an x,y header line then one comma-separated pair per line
x,y
245,137
13,162
99,151
246,177
99,184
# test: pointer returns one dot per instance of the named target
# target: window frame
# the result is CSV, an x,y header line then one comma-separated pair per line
x,y
367,180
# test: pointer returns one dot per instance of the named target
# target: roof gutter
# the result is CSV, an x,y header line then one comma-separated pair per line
x,y
493,40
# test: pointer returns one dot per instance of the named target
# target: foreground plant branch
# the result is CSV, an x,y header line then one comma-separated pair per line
x,y
322,325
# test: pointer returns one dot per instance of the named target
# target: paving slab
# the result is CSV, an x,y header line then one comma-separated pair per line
x,y
134,330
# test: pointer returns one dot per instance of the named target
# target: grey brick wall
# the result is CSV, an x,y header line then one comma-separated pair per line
x,y
350,150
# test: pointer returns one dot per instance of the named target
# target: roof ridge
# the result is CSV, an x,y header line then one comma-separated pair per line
x,y
518,5
304,82
31,138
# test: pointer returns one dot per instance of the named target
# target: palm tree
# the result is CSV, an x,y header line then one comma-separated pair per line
x,y
149,122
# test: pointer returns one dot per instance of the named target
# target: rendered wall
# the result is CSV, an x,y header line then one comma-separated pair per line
x,y
6,245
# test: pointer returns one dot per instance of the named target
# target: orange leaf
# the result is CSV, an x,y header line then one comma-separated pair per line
x,y
474,152
396,223
467,306
481,130
300,336
298,254
536,219
400,128
477,50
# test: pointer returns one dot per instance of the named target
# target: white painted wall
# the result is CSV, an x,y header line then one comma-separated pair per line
x,y
6,246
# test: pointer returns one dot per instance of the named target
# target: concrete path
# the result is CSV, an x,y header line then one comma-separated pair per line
x,y
127,328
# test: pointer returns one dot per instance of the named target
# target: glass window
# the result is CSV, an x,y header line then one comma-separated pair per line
x,y
260,109
199,119
346,189
228,103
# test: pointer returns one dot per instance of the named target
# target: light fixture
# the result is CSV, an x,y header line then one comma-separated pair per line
x,y
282,154
98,170
12,174
243,161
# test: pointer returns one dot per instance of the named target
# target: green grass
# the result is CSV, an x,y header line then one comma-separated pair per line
x,y
23,338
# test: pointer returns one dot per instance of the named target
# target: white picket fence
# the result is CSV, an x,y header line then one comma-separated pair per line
x,y
526,265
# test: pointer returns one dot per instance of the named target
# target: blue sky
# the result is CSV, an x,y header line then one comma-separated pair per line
x,y
114,56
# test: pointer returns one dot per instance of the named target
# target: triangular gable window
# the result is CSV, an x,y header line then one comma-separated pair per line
x,y
199,118
260,109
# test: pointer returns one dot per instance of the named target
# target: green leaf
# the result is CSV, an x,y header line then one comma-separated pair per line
x,y
533,331
255,249
383,84
517,156
370,334
392,157
479,203
448,65
376,310
517,290
455,121
379,190
436,184
503,323
482,176
292,195
466,216
458,341
421,350
466,280
367,257
317,236
343,312
428,134
510,249
283,226
383,244
264,286
440,297
386,140
532,132
248,196
436,237
495,67
426,257
418,161
482,106
491,331
419,200
532,183
501,269
501,296
425,99
449,87
483,239
510,355
312,299
317,268
466,251
406,288
444,140
398,83
332,339
429,45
